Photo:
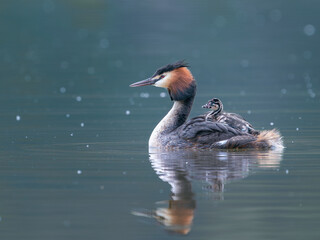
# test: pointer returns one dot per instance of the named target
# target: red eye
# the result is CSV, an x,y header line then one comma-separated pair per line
x,y
162,76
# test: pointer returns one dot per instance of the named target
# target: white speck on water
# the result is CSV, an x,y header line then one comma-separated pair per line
x,y
307,55
297,129
127,112
67,115
87,145
78,98
275,15
309,30
249,112
292,141
163,94
284,91
287,171
82,124
244,63
26,137
79,172
71,134
63,90
104,43
91,70
18,118
299,118
271,124
144,95
311,93
124,173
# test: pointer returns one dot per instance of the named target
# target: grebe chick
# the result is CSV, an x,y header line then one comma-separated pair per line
x,y
174,131
216,105
232,119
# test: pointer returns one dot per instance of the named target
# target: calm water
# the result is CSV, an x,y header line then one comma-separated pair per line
x,y
74,156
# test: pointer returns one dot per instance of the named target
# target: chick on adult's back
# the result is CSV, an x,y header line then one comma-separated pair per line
x,y
174,131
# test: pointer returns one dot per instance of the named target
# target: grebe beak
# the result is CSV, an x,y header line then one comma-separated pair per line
x,y
145,82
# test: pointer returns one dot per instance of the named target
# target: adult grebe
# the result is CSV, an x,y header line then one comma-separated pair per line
x,y
174,131
232,119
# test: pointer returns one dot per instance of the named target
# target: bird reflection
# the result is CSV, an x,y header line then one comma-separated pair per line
x,y
214,169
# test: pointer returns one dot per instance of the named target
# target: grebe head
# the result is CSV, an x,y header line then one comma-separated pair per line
x,y
176,78
213,104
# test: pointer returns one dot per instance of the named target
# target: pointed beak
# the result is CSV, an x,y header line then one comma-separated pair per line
x,y
145,82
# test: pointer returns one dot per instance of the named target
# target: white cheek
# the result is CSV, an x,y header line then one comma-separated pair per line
x,y
164,82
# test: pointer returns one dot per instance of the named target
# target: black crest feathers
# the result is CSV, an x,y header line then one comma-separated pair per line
x,y
171,67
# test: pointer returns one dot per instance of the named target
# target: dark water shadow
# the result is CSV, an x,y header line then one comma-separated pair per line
x,y
181,169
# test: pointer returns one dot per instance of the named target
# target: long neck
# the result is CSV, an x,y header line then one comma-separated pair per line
x,y
174,119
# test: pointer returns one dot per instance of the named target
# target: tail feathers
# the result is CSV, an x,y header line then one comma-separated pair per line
x,y
272,137
265,140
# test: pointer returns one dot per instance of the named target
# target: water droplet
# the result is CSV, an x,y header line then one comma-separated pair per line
x,y
82,124
144,95
249,112
101,187
78,98
271,124
18,118
311,93
127,112
67,115
71,134
300,118
297,129
309,30
124,172
284,91
287,171
79,172
63,90
163,94
87,145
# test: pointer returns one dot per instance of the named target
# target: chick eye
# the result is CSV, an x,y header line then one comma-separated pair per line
x,y
162,76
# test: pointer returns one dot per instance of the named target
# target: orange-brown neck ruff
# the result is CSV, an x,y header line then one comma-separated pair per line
x,y
181,85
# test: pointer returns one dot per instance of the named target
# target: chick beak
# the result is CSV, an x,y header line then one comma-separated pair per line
x,y
205,106
145,82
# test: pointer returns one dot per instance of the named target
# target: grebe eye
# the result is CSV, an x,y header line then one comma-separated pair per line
x,y
162,76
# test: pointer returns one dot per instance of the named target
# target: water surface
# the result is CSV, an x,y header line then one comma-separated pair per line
x,y
74,156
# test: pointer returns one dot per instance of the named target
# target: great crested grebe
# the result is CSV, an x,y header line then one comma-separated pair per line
x,y
174,131
232,119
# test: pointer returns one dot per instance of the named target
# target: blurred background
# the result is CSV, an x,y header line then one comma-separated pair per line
x,y
74,135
